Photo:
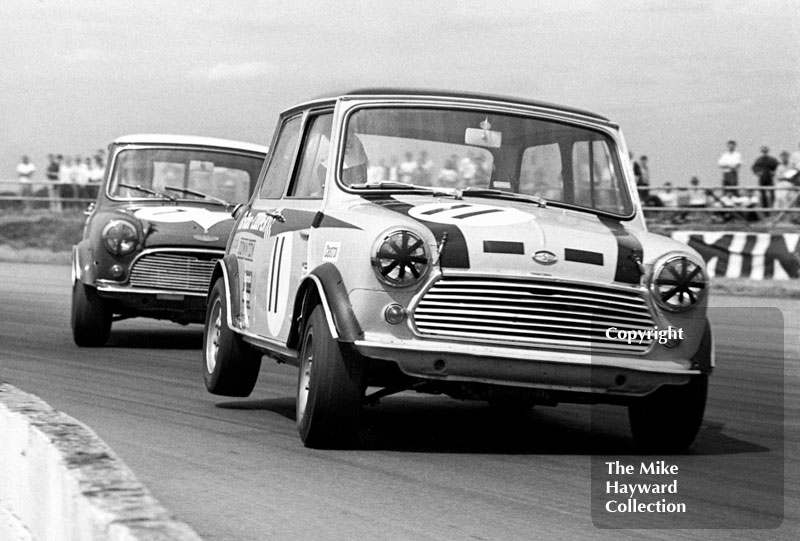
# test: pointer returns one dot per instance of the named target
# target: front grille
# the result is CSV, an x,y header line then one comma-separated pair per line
x,y
570,316
173,271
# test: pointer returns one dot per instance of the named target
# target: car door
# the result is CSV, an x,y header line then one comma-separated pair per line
x,y
285,256
252,241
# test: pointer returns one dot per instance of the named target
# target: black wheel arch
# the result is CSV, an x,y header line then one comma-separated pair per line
x,y
703,358
324,285
82,268
227,269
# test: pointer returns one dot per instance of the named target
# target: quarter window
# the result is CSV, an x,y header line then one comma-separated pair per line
x,y
310,180
280,165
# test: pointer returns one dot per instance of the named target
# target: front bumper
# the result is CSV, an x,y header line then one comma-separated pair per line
x,y
539,369
184,306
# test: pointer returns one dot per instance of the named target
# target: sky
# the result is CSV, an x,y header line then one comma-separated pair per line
x,y
680,76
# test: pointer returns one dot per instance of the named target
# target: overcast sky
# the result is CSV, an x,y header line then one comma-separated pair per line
x,y
680,76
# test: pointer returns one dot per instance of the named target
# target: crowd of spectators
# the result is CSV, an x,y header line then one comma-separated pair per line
x,y
71,180
778,180
67,178
456,172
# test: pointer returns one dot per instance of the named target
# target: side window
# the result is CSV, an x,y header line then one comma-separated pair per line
x,y
280,165
310,179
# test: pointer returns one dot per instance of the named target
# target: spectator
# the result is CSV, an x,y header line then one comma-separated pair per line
x,y
783,166
408,169
394,167
668,198
698,198
81,177
484,171
729,163
25,171
764,168
52,179
785,176
377,172
448,176
794,159
66,179
644,177
424,169
467,171
95,176
747,199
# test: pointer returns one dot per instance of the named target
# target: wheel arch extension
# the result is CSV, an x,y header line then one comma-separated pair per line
x,y
705,357
82,269
324,285
227,270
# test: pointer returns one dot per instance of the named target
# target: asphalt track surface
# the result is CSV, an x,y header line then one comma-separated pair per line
x,y
427,467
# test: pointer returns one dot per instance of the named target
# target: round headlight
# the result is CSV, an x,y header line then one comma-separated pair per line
x,y
400,258
678,283
120,237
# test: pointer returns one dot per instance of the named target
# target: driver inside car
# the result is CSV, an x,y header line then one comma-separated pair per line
x,y
356,163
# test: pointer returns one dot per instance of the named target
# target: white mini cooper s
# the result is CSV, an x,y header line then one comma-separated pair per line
x,y
478,246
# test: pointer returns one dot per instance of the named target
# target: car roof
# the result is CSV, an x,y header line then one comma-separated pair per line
x,y
452,94
188,140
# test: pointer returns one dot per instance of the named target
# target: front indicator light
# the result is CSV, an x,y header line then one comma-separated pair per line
x,y
394,314
117,271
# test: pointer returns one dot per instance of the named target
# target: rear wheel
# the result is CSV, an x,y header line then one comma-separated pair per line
x,y
330,389
230,366
90,318
668,420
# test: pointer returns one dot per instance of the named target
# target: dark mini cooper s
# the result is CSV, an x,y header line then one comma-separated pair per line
x,y
160,223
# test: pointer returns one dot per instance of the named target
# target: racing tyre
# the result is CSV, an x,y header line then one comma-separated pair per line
x,y
230,366
90,318
668,420
330,389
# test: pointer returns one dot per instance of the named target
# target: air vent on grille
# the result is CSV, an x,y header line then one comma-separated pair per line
x,y
541,313
178,272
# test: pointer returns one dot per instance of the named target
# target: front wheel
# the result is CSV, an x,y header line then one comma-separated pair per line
x,y
230,366
330,388
90,318
668,420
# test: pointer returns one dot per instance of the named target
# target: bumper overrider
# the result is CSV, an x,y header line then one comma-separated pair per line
x,y
535,333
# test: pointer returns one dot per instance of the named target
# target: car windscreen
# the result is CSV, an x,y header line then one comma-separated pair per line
x,y
458,148
175,172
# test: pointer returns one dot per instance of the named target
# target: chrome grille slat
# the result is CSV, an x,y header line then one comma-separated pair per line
x,y
173,271
514,296
561,315
546,307
531,320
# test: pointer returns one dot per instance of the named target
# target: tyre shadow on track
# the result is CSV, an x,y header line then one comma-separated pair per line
x,y
440,425
282,406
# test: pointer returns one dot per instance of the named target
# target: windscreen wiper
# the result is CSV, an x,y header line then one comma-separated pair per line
x,y
141,188
205,196
391,185
500,194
